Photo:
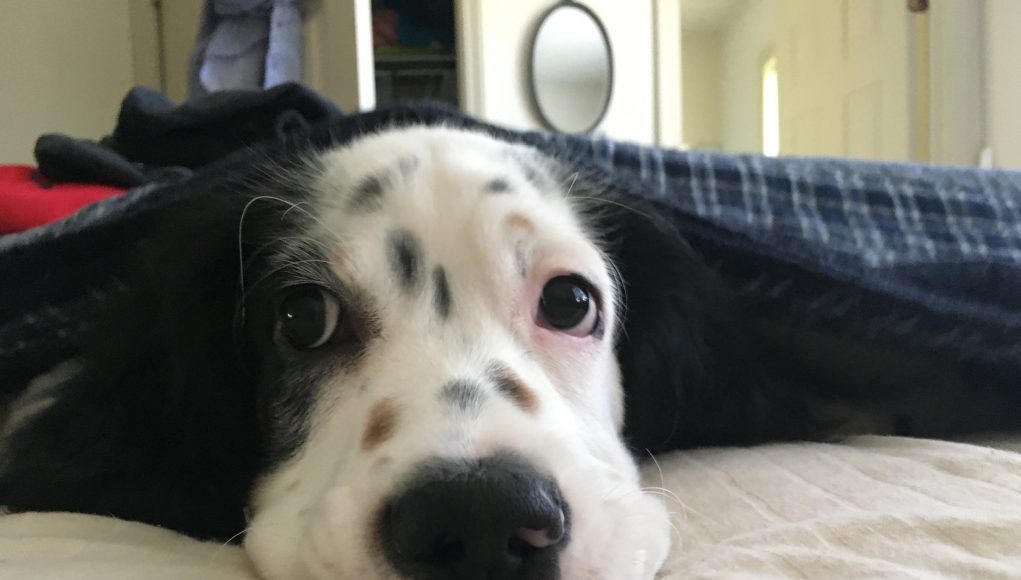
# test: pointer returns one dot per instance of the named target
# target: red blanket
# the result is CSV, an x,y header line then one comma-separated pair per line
x,y
27,199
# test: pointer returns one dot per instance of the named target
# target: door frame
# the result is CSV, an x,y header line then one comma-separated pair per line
x,y
956,82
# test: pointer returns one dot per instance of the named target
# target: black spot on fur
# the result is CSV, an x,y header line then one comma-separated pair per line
x,y
498,185
464,395
442,295
406,258
368,194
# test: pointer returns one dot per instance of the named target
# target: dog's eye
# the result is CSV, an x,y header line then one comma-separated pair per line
x,y
568,304
308,317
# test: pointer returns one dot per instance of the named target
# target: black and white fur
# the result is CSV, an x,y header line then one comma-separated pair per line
x,y
187,408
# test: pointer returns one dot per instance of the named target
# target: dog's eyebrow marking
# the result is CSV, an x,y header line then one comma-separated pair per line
x,y
442,295
498,185
381,426
510,385
464,395
405,258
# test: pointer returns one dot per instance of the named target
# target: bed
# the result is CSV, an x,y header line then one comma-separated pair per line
x,y
870,507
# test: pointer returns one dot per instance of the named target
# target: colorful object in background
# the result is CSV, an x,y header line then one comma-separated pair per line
x,y
384,28
246,44
414,24
27,199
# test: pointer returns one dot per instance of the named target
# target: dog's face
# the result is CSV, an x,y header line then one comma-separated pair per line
x,y
438,378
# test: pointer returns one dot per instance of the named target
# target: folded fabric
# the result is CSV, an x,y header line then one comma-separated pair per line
x,y
152,129
157,140
28,199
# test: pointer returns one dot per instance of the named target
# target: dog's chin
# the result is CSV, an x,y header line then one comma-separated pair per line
x,y
618,530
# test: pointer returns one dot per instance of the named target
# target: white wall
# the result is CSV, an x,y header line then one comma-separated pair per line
x,y
64,67
957,92
500,34
746,41
1003,81
702,88
669,118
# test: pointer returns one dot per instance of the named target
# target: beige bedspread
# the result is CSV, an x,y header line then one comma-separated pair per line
x,y
875,507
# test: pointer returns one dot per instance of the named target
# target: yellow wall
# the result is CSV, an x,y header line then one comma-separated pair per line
x,y
702,53
1003,74
65,65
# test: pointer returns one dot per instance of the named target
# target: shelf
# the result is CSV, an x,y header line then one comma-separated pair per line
x,y
414,61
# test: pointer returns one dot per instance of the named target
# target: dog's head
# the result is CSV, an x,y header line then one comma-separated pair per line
x,y
434,324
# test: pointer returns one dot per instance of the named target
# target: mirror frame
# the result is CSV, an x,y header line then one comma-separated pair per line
x,y
533,93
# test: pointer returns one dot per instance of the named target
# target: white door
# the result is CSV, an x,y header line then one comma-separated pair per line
x,y
338,52
845,69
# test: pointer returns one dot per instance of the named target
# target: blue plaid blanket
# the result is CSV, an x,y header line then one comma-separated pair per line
x,y
917,255
925,258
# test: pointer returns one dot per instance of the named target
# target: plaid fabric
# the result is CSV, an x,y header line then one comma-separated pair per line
x,y
909,254
878,214
919,257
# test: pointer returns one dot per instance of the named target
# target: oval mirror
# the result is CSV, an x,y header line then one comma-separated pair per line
x,y
572,68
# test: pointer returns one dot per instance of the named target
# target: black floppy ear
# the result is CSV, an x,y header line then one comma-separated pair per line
x,y
154,418
692,373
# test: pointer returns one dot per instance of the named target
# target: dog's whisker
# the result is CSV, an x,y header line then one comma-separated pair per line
x,y
298,206
662,480
285,266
662,492
225,544
574,180
607,200
659,468
282,240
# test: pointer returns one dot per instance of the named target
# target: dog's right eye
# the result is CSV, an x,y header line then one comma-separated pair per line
x,y
308,317
568,304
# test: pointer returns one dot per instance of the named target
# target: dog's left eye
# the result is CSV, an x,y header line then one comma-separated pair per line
x,y
308,317
568,304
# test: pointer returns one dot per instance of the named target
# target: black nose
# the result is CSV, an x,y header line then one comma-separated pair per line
x,y
495,518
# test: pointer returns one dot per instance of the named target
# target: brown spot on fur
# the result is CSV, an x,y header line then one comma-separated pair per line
x,y
381,425
509,384
516,220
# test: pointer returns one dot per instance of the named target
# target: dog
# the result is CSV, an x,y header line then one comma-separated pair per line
x,y
425,353
429,327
